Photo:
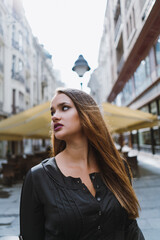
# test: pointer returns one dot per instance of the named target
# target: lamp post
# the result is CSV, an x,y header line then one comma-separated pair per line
x,y
80,67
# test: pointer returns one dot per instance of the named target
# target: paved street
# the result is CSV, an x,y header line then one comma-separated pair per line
x,y
147,187
9,210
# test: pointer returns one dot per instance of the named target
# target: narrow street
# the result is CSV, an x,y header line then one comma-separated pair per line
x,y
147,188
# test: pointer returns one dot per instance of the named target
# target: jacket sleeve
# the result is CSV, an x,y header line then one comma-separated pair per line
x,y
133,232
31,212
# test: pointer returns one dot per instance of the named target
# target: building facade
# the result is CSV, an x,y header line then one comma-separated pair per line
x,y
27,76
132,59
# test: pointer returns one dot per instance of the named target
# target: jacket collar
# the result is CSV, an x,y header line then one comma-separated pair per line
x,y
53,171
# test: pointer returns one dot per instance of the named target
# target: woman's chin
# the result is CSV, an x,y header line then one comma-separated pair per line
x,y
59,136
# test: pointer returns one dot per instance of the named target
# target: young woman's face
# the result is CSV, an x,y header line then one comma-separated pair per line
x,y
65,119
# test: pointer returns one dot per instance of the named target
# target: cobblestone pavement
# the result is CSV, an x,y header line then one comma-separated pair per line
x,y
147,188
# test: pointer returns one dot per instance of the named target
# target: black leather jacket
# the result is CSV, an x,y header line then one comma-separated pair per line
x,y
57,207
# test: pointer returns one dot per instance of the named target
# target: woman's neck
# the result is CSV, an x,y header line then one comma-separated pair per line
x,y
77,158
77,151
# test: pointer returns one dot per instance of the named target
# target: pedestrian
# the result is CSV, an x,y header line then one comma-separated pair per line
x,y
84,191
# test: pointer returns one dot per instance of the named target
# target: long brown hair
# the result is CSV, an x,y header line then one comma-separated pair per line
x,y
111,164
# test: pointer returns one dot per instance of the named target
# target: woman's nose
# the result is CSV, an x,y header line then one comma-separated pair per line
x,y
56,116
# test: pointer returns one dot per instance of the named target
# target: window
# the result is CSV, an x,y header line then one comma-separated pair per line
x,y
21,101
119,53
142,77
145,140
133,14
1,90
117,18
157,50
13,101
118,100
20,41
13,32
153,108
1,52
1,58
145,108
130,21
134,137
13,65
27,36
128,92
20,66
1,21
131,24
147,67
127,30
159,107
157,56
156,137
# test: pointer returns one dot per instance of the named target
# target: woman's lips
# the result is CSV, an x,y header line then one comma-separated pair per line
x,y
57,126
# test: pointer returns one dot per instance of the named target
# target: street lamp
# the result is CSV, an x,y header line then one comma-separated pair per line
x,y
80,67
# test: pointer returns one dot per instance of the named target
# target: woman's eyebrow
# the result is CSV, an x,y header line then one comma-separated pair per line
x,y
59,105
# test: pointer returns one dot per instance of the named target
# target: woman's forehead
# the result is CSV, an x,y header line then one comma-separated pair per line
x,y
60,98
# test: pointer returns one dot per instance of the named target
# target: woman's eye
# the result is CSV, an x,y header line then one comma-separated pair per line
x,y
52,113
64,108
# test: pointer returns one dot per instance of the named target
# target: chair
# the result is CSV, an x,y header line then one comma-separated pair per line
x,y
133,163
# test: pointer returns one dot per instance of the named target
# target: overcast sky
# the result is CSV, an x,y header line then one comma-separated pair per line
x,y
68,28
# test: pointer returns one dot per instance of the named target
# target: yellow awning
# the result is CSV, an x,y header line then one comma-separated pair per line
x,y
32,123
123,119
35,122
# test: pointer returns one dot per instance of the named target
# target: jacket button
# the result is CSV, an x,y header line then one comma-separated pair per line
x,y
99,227
99,213
98,199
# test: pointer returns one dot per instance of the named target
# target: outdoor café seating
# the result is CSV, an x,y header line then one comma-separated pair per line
x,y
17,166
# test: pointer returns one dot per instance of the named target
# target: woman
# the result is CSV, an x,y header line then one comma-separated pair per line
x,y
84,192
